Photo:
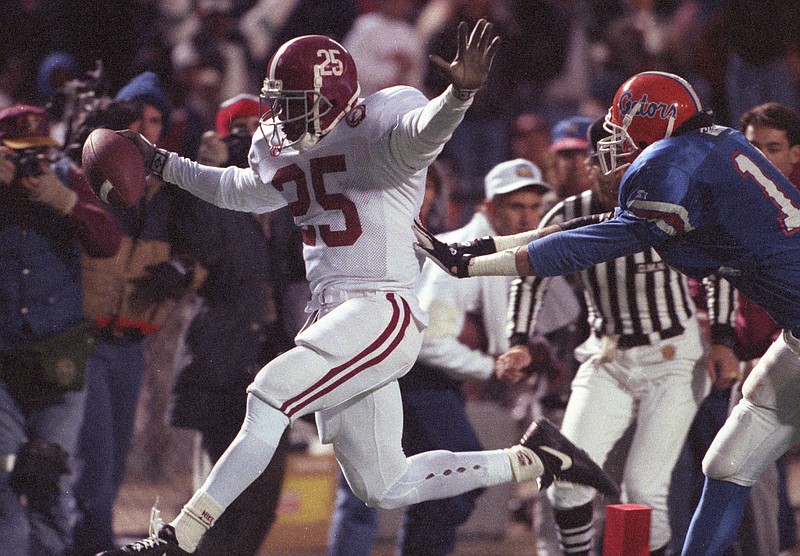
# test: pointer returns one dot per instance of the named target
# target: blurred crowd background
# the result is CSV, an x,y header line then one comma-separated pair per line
x,y
559,58
186,62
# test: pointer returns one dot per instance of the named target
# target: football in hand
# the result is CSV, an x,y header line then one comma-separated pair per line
x,y
114,167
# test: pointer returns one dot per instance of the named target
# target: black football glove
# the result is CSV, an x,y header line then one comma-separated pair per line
x,y
453,258
165,280
476,247
37,472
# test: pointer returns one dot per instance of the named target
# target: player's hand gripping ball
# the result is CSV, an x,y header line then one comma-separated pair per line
x,y
114,167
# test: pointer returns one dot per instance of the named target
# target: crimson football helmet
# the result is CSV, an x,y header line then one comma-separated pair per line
x,y
311,84
649,106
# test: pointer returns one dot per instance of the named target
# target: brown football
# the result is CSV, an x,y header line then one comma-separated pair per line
x,y
114,167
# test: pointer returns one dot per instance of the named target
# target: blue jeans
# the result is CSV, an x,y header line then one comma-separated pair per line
x,y
113,382
354,526
434,418
36,529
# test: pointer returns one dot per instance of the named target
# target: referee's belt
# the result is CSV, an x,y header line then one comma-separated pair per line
x,y
635,340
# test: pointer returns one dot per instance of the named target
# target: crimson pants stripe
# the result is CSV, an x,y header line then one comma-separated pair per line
x,y
340,374
367,351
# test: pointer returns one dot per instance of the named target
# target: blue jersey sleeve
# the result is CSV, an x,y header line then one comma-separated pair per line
x,y
574,250
658,188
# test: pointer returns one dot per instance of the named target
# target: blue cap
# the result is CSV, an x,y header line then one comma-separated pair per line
x,y
56,60
146,87
570,134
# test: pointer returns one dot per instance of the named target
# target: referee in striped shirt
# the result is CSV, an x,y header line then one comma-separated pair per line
x,y
643,363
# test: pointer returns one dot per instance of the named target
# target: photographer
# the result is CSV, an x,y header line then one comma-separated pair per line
x,y
48,215
236,122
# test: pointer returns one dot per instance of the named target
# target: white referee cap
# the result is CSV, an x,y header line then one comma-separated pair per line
x,y
512,175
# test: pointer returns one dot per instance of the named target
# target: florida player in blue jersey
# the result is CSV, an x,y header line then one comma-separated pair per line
x,y
708,202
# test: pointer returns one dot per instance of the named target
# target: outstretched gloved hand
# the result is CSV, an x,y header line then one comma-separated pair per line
x,y
154,158
449,258
145,147
470,68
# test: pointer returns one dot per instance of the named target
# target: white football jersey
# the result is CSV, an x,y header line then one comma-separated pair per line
x,y
354,194
353,198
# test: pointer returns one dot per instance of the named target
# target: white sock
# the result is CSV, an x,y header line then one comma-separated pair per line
x,y
443,474
196,517
241,464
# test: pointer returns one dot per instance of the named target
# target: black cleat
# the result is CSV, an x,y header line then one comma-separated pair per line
x,y
161,542
563,461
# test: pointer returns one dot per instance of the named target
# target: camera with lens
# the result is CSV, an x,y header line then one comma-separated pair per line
x,y
238,142
28,163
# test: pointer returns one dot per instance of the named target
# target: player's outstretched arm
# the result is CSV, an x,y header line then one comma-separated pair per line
x,y
470,68
480,257
423,131
491,256
230,188
493,244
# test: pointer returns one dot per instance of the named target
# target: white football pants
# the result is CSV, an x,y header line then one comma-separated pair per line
x,y
658,387
345,369
765,422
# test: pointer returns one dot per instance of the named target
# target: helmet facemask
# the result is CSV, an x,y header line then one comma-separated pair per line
x,y
618,146
293,116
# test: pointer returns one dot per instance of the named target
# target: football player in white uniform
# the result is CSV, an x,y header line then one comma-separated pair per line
x,y
352,171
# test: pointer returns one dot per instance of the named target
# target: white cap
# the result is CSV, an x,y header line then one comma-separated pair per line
x,y
512,175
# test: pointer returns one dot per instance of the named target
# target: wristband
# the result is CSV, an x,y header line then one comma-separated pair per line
x,y
159,161
502,243
463,94
498,264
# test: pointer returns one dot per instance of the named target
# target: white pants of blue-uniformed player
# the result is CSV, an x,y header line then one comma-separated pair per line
x,y
659,387
765,423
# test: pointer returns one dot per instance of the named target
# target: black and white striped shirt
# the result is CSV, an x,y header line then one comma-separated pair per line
x,y
637,297
722,304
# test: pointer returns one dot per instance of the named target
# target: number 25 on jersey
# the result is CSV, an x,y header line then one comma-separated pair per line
x,y
328,201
